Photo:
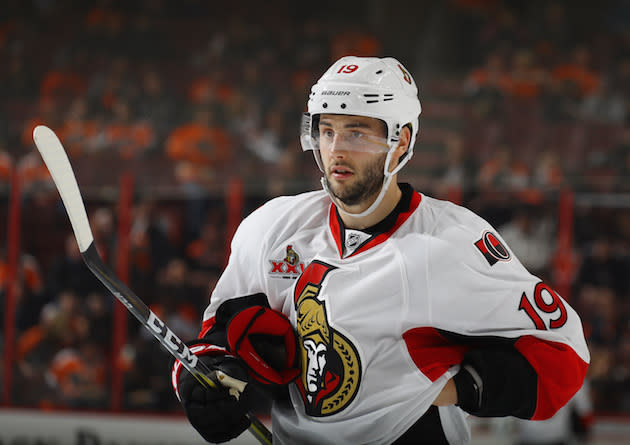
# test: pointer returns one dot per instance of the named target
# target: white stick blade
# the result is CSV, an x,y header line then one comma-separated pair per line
x,y
56,160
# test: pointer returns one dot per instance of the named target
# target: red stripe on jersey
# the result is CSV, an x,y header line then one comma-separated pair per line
x,y
432,353
206,326
335,228
376,239
560,372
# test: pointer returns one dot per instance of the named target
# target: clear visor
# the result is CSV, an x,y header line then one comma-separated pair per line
x,y
328,137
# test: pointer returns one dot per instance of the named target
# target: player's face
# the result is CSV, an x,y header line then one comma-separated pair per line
x,y
353,153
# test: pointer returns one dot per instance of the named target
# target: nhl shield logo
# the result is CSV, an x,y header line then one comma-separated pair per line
x,y
331,368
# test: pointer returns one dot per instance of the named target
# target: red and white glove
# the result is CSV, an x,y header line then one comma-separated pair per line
x,y
265,340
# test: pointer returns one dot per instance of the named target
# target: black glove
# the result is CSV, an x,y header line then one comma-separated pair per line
x,y
496,382
217,415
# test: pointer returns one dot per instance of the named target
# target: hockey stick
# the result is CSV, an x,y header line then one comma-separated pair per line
x,y
56,160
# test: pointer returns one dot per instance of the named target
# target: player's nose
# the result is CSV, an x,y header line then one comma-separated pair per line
x,y
337,146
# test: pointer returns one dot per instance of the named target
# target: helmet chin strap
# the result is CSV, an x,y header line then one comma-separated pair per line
x,y
387,179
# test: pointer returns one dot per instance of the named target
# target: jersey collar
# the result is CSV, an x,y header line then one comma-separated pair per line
x,y
379,232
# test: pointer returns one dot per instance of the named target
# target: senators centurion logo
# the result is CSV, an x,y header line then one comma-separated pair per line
x,y
288,267
330,363
406,75
492,249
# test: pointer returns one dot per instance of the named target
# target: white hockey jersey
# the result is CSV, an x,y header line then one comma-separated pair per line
x,y
371,308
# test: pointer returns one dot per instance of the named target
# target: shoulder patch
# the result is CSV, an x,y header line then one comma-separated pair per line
x,y
492,249
288,267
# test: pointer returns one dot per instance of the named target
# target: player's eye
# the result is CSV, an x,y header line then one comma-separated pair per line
x,y
327,133
354,135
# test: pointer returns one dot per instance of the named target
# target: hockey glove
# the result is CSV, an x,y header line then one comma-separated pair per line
x,y
265,340
496,382
216,414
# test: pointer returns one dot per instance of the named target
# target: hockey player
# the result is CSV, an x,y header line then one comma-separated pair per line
x,y
384,314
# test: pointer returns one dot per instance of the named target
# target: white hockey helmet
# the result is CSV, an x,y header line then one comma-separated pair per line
x,y
374,87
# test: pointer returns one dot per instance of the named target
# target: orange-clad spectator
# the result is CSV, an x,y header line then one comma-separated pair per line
x,y
35,347
62,375
42,333
78,129
128,137
47,114
548,171
62,83
28,341
60,324
502,169
526,78
29,274
495,168
356,42
28,289
200,141
205,89
519,174
79,376
492,76
578,72
34,172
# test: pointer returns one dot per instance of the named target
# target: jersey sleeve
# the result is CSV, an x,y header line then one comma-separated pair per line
x,y
488,311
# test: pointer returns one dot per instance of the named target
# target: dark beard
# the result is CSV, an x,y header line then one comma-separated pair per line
x,y
368,185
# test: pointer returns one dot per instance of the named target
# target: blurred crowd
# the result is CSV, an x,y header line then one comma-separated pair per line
x,y
521,100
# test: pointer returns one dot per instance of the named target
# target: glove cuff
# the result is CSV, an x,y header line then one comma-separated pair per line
x,y
469,388
199,349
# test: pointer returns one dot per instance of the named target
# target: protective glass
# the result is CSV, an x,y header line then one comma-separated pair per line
x,y
316,137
